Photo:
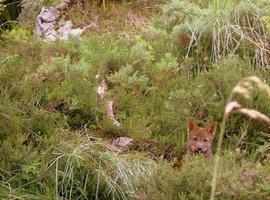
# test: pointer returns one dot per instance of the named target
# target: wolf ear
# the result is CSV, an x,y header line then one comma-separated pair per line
x,y
192,125
211,128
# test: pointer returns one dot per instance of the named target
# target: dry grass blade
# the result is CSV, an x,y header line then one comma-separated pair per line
x,y
234,106
243,88
253,114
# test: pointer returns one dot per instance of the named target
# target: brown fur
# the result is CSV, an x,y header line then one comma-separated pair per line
x,y
200,139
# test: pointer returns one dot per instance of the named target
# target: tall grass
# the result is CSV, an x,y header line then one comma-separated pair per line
x,y
9,12
243,88
103,174
219,28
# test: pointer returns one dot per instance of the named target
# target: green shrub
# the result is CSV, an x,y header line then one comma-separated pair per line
x,y
52,118
176,12
193,181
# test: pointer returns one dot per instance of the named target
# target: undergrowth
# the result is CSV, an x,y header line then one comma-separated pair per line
x,y
55,129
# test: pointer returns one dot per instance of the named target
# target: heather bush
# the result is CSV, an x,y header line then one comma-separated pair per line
x,y
55,129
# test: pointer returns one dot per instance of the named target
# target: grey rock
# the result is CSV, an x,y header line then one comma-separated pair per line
x,y
121,144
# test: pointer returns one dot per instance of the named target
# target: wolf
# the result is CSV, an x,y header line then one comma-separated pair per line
x,y
200,139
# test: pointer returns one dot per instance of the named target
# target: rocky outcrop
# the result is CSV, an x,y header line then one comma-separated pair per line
x,y
51,27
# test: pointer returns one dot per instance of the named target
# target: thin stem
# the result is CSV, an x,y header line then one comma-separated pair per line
x,y
217,158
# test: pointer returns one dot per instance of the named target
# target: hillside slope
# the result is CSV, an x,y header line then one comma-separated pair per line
x,y
163,63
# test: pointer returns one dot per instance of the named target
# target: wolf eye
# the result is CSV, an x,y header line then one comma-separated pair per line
x,y
205,140
194,138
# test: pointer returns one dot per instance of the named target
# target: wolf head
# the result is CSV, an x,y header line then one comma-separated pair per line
x,y
200,138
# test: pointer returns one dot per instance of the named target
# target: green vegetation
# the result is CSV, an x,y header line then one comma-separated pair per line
x,y
184,62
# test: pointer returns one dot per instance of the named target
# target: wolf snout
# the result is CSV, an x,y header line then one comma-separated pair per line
x,y
199,150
